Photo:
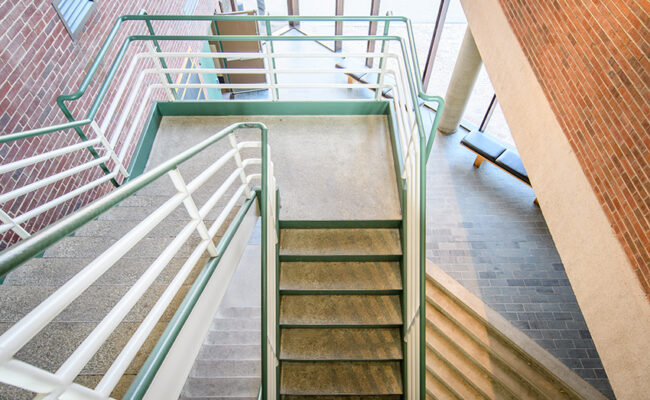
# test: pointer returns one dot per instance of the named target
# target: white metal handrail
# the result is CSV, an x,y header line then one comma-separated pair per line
x,y
109,133
129,103
60,383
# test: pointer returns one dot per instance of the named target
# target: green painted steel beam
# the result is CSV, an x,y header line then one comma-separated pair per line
x,y
245,107
340,258
340,224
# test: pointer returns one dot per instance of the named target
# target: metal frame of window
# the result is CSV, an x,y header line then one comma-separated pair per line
x,y
76,26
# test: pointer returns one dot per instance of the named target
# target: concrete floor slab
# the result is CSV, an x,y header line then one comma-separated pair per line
x,y
317,180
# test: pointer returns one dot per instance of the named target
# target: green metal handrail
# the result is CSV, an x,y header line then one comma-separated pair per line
x,y
152,364
12,257
29,248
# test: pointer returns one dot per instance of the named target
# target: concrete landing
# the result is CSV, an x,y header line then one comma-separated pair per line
x,y
327,167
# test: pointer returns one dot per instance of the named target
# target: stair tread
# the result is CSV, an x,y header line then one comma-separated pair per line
x,y
340,310
341,378
365,397
226,368
341,344
340,276
225,387
340,242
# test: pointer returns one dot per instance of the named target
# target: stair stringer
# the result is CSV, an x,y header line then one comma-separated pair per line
x,y
517,367
176,367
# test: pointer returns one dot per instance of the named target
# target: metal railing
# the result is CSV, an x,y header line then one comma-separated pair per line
x,y
60,383
142,85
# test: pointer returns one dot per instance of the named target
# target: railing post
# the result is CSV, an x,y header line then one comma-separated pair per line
x,y
240,165
192,210
372,30
293,9
109,148
6,219
381,78
264,294
275,93
159,71
338,26
155,44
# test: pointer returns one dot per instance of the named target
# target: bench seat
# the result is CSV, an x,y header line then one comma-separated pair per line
x,y
345,63
491,149
511,162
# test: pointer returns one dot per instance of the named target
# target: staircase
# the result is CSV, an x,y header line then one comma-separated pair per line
x,y
228,365
340,312
29,285
474,353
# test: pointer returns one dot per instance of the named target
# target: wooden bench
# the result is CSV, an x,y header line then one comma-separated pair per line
x,y
365,77
491,149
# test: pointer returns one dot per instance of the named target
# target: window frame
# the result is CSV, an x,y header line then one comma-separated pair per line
x,y
74,34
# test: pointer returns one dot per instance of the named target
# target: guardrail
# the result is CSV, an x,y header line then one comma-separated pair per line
x,y
60,383
413,142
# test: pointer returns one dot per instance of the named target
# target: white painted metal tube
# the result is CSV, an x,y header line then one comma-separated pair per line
x,y
135,93
216,196
214,228
87,349
121,363
59,200
10,223
51,179
192,209
25,329
172,54
133,127
203,177
46,156
118,95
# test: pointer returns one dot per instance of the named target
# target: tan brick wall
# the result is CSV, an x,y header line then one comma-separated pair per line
x,y
592,59
38,62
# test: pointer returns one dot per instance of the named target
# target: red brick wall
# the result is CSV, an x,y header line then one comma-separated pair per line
x,y
38,62
593,60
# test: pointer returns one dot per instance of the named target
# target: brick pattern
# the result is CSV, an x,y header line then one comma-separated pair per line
x,y
38,62
593,60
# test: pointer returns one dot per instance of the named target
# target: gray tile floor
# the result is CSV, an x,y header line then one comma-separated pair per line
x,y
484,230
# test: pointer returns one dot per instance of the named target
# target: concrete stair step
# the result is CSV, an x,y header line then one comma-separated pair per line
x,y
340,344
240,312
467,369
58,340
226,368
442,333
233,337
236,324
509,365
439,390
239,387
336,310
445,373
91,306
356,378
91,247
297,276
319,242
229,352
182,397
382,397
55,271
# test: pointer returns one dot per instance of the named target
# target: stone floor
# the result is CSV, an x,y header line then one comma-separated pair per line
x,y
484,230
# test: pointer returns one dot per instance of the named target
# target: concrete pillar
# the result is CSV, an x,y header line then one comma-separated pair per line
x,y
462,82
